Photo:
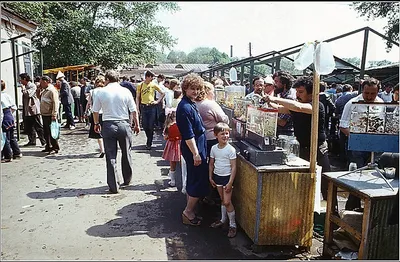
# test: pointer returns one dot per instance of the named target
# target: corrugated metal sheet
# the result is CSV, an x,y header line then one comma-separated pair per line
x,y
383,239
274,208
287,209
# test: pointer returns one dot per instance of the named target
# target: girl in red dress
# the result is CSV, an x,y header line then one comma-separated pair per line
x,y
172,150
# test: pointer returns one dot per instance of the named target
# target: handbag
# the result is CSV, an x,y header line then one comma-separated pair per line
x,y
55,128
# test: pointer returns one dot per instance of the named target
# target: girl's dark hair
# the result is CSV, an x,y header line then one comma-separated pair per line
x,y
169,120
177,93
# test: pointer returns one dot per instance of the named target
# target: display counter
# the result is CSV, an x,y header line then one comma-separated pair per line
x,y
275,204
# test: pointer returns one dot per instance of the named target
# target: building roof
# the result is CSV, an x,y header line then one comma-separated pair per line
x,y
9,15
169,70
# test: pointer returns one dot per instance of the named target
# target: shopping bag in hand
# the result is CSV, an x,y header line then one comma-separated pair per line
x,y
55,129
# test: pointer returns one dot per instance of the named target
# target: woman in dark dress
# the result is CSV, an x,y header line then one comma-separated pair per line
x,y
193,146
99,83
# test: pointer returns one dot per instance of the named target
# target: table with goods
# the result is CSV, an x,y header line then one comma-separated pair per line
x,y
274,191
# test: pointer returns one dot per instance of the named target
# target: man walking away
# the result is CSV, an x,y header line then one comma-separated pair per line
x,y
119,109
66,100
32,120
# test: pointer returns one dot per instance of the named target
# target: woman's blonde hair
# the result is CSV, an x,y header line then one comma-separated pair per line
x,y
205,91
194,80
100,81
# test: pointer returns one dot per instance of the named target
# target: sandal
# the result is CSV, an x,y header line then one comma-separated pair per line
x,y
217,224
193,222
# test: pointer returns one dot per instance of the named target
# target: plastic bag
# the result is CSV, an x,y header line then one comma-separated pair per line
x,y
305,56
3,139
324,60
233,74
55,129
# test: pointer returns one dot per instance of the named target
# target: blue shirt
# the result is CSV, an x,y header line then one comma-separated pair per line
x,y
188,119
130,86
341,102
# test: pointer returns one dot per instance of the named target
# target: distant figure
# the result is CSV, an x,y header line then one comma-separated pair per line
x,y
66,100
32,118
145,99
11,149
49,104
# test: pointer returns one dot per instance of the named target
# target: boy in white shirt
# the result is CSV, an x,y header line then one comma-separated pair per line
x,y
222,171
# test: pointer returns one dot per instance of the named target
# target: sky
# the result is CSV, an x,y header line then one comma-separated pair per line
x,y
272,26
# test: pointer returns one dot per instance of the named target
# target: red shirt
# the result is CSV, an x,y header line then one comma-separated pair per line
x,y
173,133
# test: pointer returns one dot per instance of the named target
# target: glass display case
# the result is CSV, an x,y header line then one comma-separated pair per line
x,y
232,92
262,121
374,118
219,95
240,108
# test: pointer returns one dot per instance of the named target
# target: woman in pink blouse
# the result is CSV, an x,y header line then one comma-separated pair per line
x,y
211,113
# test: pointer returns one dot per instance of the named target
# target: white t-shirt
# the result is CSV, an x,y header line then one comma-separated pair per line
x,y
116,102
222,164
349,107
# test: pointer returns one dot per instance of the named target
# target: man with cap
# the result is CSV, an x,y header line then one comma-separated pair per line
x,y
145,99
269,85
66,100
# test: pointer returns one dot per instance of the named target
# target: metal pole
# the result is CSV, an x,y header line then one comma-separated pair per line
x,y
363,57
251,74
13,52
241,74
231,51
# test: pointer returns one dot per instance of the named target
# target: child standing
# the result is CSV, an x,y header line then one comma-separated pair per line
x,y
222,171
172,150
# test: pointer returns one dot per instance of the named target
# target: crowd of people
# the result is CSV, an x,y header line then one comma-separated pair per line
x,y
195,127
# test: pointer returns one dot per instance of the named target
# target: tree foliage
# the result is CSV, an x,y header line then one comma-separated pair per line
x,y
200,55
108,34
389,10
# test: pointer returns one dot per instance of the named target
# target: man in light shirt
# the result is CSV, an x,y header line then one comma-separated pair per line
x,y
370,88
119,110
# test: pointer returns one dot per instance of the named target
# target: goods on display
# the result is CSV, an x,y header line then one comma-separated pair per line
x,y
375,118
240,108
262,121
232,92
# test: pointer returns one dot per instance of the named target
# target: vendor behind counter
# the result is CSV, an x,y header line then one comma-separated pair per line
x,y
301,111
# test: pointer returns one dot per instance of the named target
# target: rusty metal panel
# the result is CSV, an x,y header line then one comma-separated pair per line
x,y
383,239
244,196
287,209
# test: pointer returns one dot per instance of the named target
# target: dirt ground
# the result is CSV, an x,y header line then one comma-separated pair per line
x,y
55,207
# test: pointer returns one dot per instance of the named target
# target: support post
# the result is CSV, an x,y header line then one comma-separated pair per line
x,y
241,74
251,74
363,57
314,120
14,59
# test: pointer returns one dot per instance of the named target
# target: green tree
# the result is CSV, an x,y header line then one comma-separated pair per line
x,y
206,55
108,34
176,57
389,10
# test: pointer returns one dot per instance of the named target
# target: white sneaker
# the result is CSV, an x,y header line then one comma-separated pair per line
x,y
72,127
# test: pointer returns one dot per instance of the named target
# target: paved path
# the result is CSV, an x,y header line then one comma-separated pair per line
x,y
55,207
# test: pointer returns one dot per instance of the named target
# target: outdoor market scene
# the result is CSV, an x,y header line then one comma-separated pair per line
x,y
185,131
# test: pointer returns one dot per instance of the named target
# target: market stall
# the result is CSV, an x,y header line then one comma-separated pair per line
x,y
275,191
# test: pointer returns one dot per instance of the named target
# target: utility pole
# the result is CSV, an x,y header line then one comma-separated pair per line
x,y
249,48
231,51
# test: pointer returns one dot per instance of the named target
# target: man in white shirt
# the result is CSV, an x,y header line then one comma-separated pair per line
x,y
119,109
160,113
370,88
386,95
